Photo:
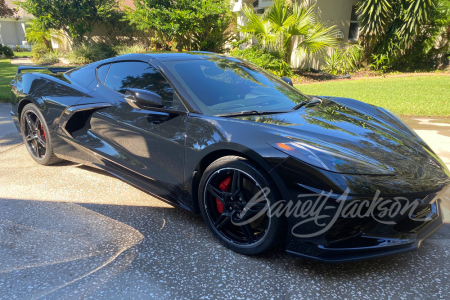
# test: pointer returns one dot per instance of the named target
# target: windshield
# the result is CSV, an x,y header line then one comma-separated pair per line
x,y
222,85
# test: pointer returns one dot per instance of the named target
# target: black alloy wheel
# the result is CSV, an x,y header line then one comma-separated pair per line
x,y
228,190
36,135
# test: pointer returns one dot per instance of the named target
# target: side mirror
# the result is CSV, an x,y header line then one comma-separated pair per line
x,y
287,80
138,98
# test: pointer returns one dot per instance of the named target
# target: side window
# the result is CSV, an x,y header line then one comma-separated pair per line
x,y
102,71
140,75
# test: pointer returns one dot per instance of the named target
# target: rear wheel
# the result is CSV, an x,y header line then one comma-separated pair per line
x,y
235,201
36,135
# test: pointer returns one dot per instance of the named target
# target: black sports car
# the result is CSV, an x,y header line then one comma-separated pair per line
x,y
333,179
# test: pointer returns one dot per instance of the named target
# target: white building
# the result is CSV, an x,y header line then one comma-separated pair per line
x,y
12,30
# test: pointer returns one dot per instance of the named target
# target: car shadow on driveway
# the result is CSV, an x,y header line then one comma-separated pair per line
x,y
53,249
80,232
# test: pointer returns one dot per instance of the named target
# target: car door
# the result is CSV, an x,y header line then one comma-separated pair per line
x,y
145,145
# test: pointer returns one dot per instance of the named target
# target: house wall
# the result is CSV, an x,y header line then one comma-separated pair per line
x,y
331,12
12,31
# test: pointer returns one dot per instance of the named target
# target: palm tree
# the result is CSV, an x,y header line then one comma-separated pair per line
x,y
281,22
403,27
36,33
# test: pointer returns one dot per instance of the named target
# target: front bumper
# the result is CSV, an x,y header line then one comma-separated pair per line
x,y
369,242
336,227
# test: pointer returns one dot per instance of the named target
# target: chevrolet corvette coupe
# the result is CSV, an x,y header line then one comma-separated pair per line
x,y
332,179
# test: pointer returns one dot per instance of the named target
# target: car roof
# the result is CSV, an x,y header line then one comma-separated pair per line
x,y
168,56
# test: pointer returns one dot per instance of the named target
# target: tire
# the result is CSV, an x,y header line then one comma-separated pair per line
x,y
225,190
36,135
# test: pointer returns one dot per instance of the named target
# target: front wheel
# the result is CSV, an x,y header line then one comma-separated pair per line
x,y
36,135
236,198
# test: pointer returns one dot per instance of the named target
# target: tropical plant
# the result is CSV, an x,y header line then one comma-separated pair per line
x,y
355,56
344,61
270,61
37,33
380,62
276,28
333,62
406,31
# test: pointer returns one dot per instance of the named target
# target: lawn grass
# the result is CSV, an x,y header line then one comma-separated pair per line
x,y
22,54
7,73
408,96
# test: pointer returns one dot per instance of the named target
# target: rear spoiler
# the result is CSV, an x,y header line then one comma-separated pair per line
x,y
53,70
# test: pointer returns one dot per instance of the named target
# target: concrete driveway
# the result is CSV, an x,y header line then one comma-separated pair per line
x,y
69,231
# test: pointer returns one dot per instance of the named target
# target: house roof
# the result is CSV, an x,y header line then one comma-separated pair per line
x,y
21,13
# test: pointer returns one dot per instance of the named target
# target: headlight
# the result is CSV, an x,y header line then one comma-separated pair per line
x,y
335,159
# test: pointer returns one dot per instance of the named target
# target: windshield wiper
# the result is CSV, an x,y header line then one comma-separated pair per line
x,y
314,100
249,113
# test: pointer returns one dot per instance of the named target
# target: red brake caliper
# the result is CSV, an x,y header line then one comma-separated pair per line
x,y
43,131
224,186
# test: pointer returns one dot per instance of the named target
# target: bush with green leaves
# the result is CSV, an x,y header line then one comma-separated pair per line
x,y
334,62
270,61
50,58
39,50
77,19
344,61
189,24
125,49
5,51
17,48
89,53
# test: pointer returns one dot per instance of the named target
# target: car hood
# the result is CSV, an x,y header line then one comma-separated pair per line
x,y
358,129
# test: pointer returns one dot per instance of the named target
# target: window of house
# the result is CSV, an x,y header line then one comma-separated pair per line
x,y
353,34
140,75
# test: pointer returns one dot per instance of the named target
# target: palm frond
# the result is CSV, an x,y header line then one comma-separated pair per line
x,y
318,39
280,15
374,15
415,16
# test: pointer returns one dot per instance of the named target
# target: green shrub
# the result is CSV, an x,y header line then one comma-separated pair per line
x,y
334,62
88,53
380,62
38,51
344,61
137,48
270,61
6,51
50,58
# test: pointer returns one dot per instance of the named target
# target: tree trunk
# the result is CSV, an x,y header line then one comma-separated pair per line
x,y
48,43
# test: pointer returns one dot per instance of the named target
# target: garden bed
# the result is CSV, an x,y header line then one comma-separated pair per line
x,y
308,77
